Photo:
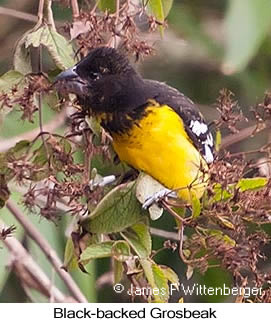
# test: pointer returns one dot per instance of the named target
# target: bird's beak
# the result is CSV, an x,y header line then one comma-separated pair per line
x,y
70,82
67,75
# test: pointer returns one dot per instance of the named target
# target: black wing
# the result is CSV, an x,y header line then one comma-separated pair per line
x,y
195,125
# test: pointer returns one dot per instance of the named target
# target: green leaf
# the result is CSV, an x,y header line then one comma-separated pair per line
x,y
107,5
156,8
118,210
221,194
70,259
139,238
118,271
196,206
218,140
19,149
121,251
9,80
225,222
167,5
60,49
171,276
99,250
248,184
156,279
221,236
247,23
160,9
161,283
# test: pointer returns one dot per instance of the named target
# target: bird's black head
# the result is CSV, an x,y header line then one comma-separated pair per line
x,y
104,81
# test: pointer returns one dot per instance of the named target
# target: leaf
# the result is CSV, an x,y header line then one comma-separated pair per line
x,y
248,184
79,27
171,276
225,222
99,250
156,279
189,272
147,186
9,80
247,22
107,5
139,238
196,206
118,271
167,5
70,259
221,194
118,210
161,283
218,140
221,236
60,49
21,59
19,149
157,10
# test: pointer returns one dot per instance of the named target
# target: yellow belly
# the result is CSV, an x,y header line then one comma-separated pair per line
x,y
160,147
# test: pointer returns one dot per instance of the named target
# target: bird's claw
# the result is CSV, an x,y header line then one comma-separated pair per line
x,y
155,198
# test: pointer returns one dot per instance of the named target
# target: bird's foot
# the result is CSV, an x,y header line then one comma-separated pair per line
x,y
157,197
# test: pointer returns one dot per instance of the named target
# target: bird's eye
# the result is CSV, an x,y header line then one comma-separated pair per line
x,y
94,76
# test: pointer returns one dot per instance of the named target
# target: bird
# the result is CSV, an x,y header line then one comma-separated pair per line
x,y
155,128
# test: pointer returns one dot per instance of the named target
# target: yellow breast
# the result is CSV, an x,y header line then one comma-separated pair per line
x,y
159,146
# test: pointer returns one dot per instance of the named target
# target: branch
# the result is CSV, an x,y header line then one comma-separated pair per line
x,y
243,134
164,234
75,10
48,251
18,14
28,270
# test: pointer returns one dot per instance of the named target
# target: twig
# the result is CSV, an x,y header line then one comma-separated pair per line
x,y
164,234
75,10
18,14
241,135
50,16
40,12
48,251
28,270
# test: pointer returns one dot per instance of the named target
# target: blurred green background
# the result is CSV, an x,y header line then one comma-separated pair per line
x,y
208,45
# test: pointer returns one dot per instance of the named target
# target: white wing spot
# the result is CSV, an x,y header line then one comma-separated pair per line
x,y
208,154
209,141
198,127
